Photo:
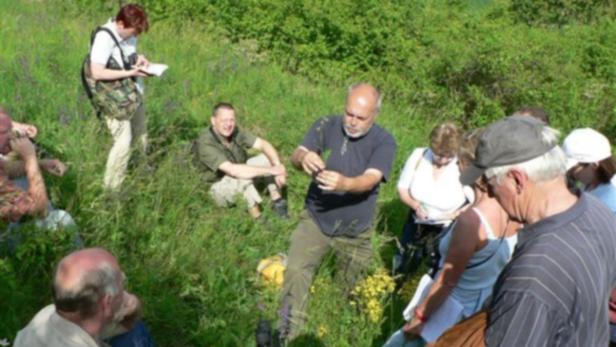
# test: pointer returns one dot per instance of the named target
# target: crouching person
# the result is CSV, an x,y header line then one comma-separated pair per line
x,y
220,152
90,305
16,202
22,188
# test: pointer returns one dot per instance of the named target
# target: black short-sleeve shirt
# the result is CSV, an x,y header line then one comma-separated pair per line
x,y
343,213
210,150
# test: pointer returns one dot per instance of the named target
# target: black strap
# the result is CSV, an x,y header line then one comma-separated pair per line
x,y
125,63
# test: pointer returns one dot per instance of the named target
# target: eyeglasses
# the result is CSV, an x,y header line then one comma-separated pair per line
x,y
443,157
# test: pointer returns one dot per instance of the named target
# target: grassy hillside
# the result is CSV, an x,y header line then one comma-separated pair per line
x,y
192,264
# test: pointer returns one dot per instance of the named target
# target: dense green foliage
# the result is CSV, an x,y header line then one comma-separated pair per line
x,y
472,61
192,264
283,63
561,12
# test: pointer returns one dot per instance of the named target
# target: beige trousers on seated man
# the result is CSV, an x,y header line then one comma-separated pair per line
x,y
124,133
225,191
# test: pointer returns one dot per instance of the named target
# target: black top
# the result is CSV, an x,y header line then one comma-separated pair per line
x,y
555,290
341,213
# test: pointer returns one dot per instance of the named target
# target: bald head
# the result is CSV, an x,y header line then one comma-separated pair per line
x,y
365,95
82,278
362,106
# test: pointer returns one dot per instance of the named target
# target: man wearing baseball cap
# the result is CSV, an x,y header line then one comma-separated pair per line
x,y
554,290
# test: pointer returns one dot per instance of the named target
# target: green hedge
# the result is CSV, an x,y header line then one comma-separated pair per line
x,y
467,61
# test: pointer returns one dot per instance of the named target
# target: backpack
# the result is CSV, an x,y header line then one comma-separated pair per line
x,y
118,99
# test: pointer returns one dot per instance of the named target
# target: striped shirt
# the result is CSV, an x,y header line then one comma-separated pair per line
x,y
555,290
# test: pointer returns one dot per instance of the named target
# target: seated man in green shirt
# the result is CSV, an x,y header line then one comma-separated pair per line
x,y
220,152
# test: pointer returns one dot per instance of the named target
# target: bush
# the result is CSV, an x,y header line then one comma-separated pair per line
x,y
444,59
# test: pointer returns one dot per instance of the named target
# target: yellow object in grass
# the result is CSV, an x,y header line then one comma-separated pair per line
x,y
272,269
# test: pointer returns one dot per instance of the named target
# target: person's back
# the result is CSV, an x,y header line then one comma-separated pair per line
x,y
48,329
562,264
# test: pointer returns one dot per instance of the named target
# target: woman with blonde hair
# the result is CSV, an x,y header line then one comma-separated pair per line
x,y
429,184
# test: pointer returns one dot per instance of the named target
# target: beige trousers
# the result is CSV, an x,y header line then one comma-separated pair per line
x,y
225,191
125,133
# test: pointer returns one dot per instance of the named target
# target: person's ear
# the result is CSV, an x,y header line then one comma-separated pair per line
x,y
106,305
520,179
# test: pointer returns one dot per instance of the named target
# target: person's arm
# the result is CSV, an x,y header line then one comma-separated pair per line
x,y
100,73
36,186
245,171
307,160
464,243
102,49
17,168
408,200
406,180
272,155
24,129
334,181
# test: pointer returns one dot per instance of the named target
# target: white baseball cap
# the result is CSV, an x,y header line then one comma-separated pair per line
x,y
586,145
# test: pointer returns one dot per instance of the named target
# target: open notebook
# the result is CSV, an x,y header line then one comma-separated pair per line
x,y
155,69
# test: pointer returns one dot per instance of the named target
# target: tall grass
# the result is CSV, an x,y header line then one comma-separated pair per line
x,y
192,264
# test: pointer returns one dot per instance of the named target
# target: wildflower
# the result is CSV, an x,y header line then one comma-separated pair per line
x,y
372,292
322,331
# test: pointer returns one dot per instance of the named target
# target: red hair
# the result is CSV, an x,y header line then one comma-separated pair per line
x,y
133,16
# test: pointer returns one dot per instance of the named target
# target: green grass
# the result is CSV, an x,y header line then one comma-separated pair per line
x,y
192,264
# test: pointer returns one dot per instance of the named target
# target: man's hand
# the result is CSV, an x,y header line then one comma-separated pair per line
x,y
312,163
280,175
278,170
330,180
281,180
24,148
54,167
130,311
412,329
23,129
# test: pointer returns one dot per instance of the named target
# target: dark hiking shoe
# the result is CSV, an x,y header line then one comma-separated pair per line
x,y
264,333
280,208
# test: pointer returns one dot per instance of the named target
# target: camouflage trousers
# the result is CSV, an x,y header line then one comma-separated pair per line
x,y
125,133
308,248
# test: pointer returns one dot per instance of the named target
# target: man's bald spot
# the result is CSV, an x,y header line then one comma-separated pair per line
x,y
365,95
76,265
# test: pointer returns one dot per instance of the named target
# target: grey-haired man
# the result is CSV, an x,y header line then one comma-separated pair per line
x,y
90,304
554,290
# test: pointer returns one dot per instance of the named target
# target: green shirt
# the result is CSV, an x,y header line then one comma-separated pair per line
x,y
210,150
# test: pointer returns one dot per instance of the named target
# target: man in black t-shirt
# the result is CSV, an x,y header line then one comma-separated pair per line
x,y
348,157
